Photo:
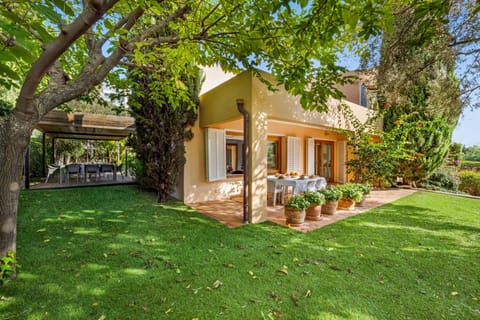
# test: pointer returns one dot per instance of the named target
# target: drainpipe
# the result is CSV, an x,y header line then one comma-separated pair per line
x,y
246,139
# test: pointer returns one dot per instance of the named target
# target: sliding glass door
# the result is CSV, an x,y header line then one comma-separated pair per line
x,y
324,159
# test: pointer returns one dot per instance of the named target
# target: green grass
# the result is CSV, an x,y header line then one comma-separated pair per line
x,y
113,253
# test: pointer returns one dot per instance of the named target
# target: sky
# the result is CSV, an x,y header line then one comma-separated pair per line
x,y
467,131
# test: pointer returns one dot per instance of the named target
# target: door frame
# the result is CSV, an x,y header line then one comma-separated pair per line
x,y
320,161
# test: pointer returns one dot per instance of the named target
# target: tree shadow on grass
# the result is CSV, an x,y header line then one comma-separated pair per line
x,y
117,253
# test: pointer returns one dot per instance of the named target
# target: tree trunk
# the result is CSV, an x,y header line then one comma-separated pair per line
x,y
14,139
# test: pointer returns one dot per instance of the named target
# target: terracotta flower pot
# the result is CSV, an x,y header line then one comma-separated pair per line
x,y
330,207
362,202
295,217
314,212
346,204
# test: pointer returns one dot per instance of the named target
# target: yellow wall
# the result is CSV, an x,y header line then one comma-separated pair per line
x,y
196,188
219,104
352,92
282,105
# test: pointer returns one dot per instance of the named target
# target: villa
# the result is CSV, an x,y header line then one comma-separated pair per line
x,y
282,137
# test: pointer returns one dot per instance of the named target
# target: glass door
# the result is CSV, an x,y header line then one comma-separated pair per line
x,y
324,159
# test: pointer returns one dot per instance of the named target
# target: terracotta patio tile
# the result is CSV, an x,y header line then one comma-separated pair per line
x,y
230,212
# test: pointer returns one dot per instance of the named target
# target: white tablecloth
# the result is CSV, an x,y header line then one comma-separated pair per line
x,y
299,185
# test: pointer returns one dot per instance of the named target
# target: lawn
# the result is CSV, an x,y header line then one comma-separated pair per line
x,y
113,253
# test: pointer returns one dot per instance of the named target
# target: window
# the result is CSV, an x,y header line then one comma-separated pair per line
x,y
363,96
232,151
273,155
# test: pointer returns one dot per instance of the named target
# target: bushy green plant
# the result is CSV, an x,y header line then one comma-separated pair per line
x,y
331,193
350,191
7,267
314,197
470,182
443,179
364,188
297,202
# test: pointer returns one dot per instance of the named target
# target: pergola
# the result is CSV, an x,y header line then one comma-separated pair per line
x,y
76,125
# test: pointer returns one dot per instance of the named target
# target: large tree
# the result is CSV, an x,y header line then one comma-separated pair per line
x,y
56,51
163,124
419,88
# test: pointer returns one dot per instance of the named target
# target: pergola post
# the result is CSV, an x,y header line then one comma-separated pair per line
x,y
126,161
53,150
43,155
27,169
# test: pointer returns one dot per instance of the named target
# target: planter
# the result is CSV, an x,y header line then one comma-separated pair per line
x,y
330,207
295,217
346,204
314,212
362,202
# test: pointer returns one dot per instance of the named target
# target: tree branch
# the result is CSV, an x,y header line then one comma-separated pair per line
x,y
92,12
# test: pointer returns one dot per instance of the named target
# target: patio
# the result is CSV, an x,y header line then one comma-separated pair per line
x,y
230,212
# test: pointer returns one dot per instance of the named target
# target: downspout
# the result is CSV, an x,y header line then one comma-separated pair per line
x,y
245,155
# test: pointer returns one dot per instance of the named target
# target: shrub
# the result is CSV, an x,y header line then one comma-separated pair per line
x,y
364,188
314,197
442,179
350,191
297,202
470,182
470,165
331,193
7,267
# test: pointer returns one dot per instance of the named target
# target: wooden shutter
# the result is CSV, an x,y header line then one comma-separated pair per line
x,y
341,162
293,154
310,156
216,154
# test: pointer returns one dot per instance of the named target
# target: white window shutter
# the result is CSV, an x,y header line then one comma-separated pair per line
x,y
310,156
293,154
216,154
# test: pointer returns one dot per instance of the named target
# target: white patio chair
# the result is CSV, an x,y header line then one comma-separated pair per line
x,y
275,189
320,184
312,186
51,170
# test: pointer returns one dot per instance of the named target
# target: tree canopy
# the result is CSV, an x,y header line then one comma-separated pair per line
x,y
55,51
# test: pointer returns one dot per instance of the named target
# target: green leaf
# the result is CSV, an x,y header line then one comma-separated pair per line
x,y
5,70
64,6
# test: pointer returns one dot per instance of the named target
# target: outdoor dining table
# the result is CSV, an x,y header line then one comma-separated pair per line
x,y
298,184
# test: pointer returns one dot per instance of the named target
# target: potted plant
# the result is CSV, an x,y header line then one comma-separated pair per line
x,y
316,200
332,194
295,210
350,195
365,189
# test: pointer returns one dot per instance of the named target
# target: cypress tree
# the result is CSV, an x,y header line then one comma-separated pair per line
x,y
419,89
164,108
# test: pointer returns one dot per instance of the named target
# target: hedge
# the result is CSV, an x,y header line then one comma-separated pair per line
x,y
469,182
470,164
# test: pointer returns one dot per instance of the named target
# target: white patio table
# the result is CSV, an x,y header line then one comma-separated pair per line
x,y
299,184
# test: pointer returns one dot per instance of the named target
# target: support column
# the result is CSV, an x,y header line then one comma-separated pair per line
x,y
258,166
53,151
126,161
43,156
